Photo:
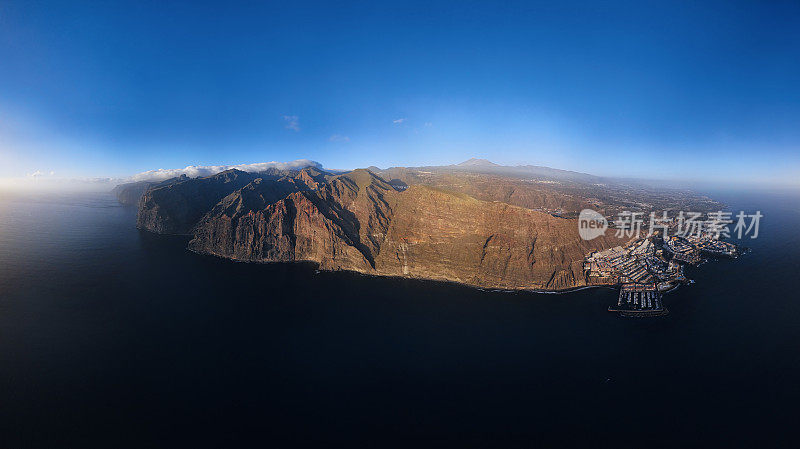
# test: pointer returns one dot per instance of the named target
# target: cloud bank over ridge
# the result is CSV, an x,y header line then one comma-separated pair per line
x,y
194,171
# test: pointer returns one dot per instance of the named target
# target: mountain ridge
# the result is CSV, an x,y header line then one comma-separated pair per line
x,y
359,222
481,227
475,162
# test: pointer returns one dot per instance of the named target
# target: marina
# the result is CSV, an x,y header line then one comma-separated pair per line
x,y
645,268
639,300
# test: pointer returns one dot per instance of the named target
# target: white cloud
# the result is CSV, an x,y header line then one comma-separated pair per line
x,y
398,121
194,171
292,122
38,174
428,124
338,138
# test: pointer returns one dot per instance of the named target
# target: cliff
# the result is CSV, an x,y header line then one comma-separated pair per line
x,y
130,193
435,234
359,222
175,208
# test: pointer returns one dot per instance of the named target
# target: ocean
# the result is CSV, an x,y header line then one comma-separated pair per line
x,y
110,336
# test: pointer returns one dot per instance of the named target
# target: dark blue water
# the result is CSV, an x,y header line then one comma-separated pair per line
x,y
114,337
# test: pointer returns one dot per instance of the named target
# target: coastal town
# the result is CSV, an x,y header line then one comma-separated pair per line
x,y
646,268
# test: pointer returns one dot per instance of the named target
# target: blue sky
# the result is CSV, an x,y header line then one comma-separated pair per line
x,y
695,90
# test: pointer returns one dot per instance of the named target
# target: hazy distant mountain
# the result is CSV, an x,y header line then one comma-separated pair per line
x,y
559,192
130,193
473,162
526,171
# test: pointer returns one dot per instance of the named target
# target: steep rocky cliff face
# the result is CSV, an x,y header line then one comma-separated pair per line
x,y
176,208
176,205
435,234
357,221
339,224
130,193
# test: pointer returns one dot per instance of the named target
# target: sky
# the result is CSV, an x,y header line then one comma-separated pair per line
x,y
663,90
